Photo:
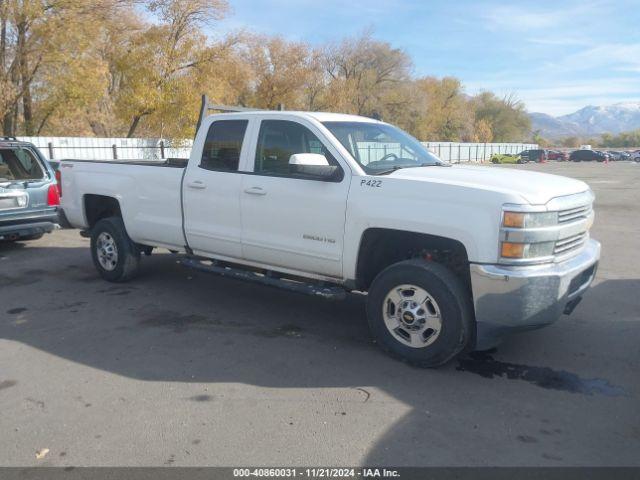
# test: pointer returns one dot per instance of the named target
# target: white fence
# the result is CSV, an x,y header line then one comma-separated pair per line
x,y
474,152
88,148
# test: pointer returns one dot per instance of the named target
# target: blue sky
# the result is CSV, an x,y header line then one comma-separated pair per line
x,y
556,56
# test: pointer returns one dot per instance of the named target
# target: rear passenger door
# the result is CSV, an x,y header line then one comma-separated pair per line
x,y
211,190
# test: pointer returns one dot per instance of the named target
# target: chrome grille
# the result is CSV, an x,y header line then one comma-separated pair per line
x,y
567,245
572,214
574,221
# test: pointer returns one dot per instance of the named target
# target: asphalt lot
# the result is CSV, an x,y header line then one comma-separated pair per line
x,y
183,368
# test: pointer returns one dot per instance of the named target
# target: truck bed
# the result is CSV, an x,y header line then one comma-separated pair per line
x,y
149,198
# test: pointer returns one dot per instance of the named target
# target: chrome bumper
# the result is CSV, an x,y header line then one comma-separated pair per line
x,y
508,299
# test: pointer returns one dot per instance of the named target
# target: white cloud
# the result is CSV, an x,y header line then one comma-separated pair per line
x,y
524,18
619,56
559,97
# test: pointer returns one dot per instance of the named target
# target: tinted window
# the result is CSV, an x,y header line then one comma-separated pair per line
x,y
19,164
223,145
278,140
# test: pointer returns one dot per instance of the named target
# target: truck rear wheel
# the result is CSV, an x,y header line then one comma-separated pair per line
x,y
115,256
420,312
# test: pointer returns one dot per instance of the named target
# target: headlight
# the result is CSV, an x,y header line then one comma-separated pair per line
x,y
519,242
529,219
515,251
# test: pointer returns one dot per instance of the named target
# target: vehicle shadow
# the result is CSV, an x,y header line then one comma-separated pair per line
x,y
178,325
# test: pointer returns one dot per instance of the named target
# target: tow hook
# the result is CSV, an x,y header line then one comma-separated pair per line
x,y
569,307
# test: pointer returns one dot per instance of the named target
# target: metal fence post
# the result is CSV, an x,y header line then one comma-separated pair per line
x,y
114,149
50,146
162,149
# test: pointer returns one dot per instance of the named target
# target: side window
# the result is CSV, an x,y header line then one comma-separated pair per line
x,y
278,140
222,147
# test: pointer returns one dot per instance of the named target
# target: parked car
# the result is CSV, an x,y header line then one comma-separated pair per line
x,y
557,155
635,156
587,155
618,155
533,155
295,200
506,158
29,193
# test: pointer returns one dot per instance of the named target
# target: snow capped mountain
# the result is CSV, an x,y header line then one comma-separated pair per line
x,y
590,120
551,127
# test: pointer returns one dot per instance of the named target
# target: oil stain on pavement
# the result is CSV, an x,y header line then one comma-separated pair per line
x,y
483,364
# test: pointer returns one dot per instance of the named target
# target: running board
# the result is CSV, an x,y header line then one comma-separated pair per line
x,y
327,292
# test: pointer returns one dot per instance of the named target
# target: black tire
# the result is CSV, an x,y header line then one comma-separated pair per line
x,y
128,255
453,299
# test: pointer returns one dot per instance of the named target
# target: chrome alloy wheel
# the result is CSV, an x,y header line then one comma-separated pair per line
x,y
412,316
107,251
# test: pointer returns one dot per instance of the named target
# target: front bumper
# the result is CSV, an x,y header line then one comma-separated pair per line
x,y
508,299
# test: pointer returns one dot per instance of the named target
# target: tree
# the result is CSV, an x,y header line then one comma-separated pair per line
x,y
280,71
21,52
72,67
361,72
45,57
507,116
482,131
539,139
622,140
571,142
445,113
160,59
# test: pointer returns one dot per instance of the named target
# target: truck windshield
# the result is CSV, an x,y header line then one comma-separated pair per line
x,y
380,148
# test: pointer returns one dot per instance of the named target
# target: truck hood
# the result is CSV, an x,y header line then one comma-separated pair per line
x,y
535,188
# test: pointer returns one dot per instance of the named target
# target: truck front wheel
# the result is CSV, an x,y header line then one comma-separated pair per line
x,y
420,312
115,256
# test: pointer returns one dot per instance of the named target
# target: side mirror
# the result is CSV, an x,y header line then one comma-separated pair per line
x,y
312,165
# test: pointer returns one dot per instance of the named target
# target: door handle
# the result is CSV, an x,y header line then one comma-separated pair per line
x,y
255,191
196,184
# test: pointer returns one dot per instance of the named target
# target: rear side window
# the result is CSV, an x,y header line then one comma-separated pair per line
x,y
223,145
19,164
278,140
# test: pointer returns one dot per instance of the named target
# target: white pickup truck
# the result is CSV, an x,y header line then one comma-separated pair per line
x,y
452,257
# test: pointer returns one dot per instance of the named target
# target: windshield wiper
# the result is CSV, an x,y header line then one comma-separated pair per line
x,y
390,170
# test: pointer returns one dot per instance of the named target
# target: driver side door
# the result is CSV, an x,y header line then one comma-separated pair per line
x,y
289,221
